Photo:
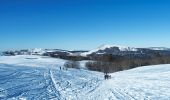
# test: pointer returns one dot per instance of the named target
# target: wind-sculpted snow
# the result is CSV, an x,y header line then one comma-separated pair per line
x,y
42,79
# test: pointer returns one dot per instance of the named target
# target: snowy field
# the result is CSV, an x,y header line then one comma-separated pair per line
x,y
40,78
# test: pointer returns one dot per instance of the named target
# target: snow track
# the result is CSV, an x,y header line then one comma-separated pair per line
x,y
19,81
36,84
76,85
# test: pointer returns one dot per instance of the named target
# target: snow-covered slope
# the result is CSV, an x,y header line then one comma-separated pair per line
x,y
31,60
103,47
39,78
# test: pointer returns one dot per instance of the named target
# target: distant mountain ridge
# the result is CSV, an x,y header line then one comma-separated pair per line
x,y
101,50
159,48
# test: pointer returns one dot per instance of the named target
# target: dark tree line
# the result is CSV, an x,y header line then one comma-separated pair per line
x,y
9,53
67,57
109,63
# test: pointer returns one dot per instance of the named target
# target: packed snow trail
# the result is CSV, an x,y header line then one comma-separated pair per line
x,y
42,83
42,79
26,83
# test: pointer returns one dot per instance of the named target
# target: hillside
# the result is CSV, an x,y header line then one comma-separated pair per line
x,y
104,49
36,77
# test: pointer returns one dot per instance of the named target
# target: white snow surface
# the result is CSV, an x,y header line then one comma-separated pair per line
x,y
40,78
31,60
103,47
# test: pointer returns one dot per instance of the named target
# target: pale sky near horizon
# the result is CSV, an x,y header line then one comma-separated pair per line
x,y
84,24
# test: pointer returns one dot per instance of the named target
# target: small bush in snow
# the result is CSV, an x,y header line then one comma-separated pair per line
x,y
72,64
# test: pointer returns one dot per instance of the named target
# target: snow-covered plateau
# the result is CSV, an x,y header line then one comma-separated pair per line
x,y
40,78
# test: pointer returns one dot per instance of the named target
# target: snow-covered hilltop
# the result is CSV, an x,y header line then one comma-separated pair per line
x,y
123,50
33,77
38,51
104,48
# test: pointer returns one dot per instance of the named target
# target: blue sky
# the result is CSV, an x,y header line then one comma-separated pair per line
x,y
83,24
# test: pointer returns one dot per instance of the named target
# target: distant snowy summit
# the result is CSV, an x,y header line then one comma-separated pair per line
x,y
108,48
39,51
121,48
116,50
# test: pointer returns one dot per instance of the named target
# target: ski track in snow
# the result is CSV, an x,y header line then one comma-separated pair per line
x,y
25,81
